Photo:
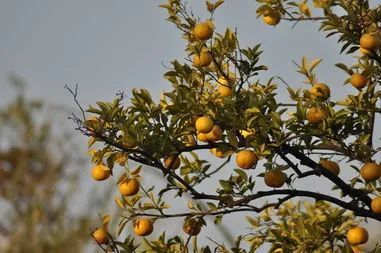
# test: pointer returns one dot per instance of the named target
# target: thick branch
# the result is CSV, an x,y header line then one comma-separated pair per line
x,y
347,190
317,196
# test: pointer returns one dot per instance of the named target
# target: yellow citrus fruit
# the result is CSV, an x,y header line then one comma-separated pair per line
x,y
246,159
376,205
203,31
358,81
231,80
218,153
333,167
129,187
203,59
204,124
100,172
275,178
320,90
202,137
271,17
215,134
225,91
172,161
357,235
100,236
143,227
370,171
315,115
369,42
192,227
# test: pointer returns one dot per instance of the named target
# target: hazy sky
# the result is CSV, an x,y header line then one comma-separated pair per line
x,y
113,45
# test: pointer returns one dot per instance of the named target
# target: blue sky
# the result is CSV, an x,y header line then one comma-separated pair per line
x,y
108,46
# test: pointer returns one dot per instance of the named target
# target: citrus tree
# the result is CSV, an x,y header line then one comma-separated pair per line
x,y
36,183
216,102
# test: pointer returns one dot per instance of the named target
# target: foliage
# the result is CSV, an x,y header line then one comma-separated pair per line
x,y
34,170
248,115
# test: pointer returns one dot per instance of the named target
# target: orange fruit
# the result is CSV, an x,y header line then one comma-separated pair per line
x,y
203,31
129,187
143,227
215,134
376,205
275,178
100,236
172,161
320,90
100,172
192,227
225,91
333,167
315,115
204,124
202,137
370,171
203,59
246,159
369,42
357,235
271,17
358,81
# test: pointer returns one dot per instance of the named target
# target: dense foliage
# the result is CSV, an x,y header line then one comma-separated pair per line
x,y
217,102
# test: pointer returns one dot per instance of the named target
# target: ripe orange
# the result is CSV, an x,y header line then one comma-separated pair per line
x,y
215,134
271,17
143,227
203,31
100,172
246,159
333,167
129,187
275,178
100,236
192,227
358,81
370,171
320,90
204,124
203,59
376,205
202,137
369,42
172,161
225,91
315,115
357,235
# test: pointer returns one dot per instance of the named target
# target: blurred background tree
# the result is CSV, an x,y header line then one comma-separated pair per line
x,y
37,181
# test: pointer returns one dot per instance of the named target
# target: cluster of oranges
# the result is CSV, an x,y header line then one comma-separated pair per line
x,y
245,158
127,187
